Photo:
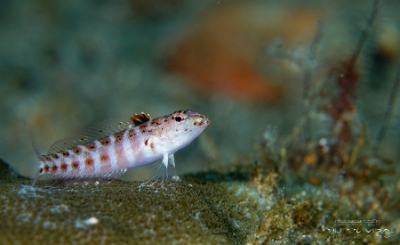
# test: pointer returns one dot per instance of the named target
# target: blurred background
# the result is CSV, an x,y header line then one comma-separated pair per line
x,y
65,65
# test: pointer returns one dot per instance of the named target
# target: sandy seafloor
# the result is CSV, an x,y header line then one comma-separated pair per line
x,y
251,177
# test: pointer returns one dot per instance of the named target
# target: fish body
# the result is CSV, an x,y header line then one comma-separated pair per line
x,y
141,143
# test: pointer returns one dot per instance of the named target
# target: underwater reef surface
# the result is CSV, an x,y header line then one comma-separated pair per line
x,y
208,208
116,212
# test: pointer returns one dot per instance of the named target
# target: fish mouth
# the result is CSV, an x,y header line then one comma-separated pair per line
x,y
202,121
205,121
197,118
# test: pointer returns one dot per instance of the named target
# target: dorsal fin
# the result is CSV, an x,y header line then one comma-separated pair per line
x,y
140,118
96,132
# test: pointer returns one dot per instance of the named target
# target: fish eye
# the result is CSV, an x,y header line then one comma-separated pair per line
x,y
178,119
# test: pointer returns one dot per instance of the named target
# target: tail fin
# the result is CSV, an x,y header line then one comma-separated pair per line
x,y
38,155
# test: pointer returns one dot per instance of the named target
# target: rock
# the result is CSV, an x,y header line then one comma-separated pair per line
x,y
191,211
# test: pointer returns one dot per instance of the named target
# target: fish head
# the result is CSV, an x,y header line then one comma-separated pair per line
x,y
184,126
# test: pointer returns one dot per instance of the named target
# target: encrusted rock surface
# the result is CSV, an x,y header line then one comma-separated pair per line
x,y
206,208
116,212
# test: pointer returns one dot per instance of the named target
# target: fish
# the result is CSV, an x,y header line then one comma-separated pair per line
x,y
101,153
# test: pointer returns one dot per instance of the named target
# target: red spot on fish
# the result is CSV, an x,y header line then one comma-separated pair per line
x,y
131,133
76,150
89,162
152,145
46,168
54,168
55,156
146,142
118,137
104,157
195,123
64,167
105,141
75,165
90,146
